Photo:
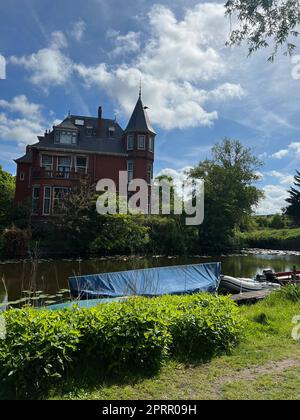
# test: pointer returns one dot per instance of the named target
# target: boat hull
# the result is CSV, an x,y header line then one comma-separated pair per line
x,y
243,285
149,282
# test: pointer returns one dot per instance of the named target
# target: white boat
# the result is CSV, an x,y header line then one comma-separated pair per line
x,y
240,285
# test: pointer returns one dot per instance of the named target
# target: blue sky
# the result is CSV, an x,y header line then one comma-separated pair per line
x,y
76,55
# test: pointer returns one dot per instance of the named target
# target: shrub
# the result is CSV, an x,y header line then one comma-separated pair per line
x,y
290,293
272,239
203,326
15,242
42,347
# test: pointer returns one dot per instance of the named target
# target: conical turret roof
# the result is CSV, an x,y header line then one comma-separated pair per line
x,y
139,120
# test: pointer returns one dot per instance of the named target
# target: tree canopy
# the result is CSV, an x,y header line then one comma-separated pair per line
x,y
7,189
293,210
261,23
230,191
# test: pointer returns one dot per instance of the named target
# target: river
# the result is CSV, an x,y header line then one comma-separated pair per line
x,y
49,278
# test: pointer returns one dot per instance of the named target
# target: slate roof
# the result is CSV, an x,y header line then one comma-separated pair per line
x,y
97,142
67,124
90,139
27,158
139,120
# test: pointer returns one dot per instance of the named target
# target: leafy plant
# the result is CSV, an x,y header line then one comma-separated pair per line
x,y
43,347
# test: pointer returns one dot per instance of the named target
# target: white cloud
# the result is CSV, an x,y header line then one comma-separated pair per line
x,y
24,128
20,104
274,200
125,44
284,179
182,66
295,148
78,30
292,149
49,66
180,50
280,154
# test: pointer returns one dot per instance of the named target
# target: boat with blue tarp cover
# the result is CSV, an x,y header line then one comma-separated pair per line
x,y
186,279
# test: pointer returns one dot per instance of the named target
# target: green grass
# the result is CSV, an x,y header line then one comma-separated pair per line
x,y
286,239
266,365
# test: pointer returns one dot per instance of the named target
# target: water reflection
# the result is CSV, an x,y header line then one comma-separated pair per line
x,y
50,278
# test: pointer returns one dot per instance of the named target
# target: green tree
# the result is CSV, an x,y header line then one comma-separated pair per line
x,y
262,21
293,210
230,192
7,190
277,221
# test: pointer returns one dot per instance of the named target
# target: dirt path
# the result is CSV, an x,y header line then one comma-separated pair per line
x,y
251,374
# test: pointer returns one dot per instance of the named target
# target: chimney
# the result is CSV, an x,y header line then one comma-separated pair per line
x,y
99,120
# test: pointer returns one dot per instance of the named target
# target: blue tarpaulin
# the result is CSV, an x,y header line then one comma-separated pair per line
x,y
82,304
148,282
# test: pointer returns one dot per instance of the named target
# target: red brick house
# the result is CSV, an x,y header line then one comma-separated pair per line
x,y
80,146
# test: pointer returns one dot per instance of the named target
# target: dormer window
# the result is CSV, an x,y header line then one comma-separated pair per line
x,y
66,137
130,142
111,132
89,131
142,142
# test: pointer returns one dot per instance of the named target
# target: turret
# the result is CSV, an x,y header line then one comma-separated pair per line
x,y
140,143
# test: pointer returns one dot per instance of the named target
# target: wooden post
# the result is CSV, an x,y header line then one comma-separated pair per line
x,y
294,275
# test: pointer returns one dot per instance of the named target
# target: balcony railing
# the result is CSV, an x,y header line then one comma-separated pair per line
x,y
42,173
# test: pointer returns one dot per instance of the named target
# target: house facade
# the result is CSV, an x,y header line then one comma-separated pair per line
x,y
93,148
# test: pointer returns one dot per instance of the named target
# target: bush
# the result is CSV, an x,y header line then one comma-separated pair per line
x,y
272,238
15,242
120,234
290,293
203,326
42,347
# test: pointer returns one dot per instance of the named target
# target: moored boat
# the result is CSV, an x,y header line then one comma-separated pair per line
x,y
150,282
242,285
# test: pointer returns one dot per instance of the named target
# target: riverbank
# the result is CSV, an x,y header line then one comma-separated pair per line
x,y
277,239
266,365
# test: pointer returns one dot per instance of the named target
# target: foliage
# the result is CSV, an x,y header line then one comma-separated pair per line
x,y
170,236
277,222
15,242
290,293
272,239
293,209
229,193
203,326
265,365
260,21
120,234
7,189
41,347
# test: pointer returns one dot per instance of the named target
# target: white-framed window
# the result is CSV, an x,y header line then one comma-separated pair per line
x,y
66,137
149,172
130,142
111,132
130,170
81,164
58,196
47,201
47,162
22,176
35,200
142,142
151,144
79,122
64,164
